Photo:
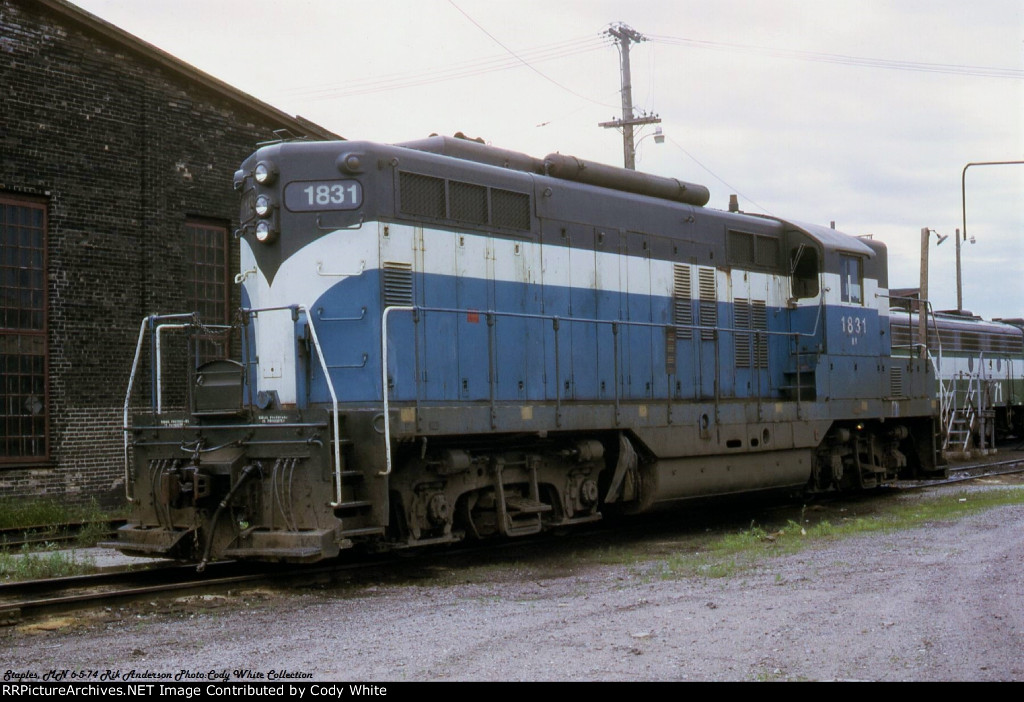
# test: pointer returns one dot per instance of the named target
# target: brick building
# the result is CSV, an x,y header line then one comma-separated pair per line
x,y
115,202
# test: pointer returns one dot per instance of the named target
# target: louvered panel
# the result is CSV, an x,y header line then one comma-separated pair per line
x,y
708,302
759,323
896,382
397,281
683,302
741,319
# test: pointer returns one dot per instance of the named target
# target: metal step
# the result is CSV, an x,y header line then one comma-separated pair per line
x,y
362,531
354,504
525,505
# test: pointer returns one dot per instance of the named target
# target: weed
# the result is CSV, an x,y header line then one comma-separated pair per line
x,y
726,555
29,565
764,675
46,518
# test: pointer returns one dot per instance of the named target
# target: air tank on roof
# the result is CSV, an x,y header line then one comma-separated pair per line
x,y
599,174
566,168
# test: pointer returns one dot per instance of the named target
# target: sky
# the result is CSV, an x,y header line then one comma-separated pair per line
x,y
864,113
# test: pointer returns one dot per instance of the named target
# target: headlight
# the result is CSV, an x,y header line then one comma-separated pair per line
x,y
264,173
264,232
263,205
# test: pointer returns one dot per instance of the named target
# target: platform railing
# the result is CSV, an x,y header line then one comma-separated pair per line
x,y
149,322
177,322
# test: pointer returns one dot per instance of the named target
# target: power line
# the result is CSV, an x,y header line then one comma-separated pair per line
x,y
524,61
841,59
580,45
463,69
716,177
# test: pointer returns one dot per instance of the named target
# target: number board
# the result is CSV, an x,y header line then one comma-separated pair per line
x,y
314,196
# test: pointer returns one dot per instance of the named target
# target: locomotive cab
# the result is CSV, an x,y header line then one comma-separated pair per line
x,y
847,358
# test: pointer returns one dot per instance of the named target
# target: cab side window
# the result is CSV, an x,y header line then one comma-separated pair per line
x,y
851,278
804,263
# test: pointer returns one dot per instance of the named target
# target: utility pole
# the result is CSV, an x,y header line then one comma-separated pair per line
x,y
922,303
625,35
959,274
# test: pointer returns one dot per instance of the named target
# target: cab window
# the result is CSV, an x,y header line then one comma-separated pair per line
x,y
804,266
851,279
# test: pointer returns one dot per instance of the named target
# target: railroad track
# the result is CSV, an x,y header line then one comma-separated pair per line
x,y
969,471
26,600
29,599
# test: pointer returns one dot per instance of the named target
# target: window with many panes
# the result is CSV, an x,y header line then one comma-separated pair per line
x,y
208,283
23,379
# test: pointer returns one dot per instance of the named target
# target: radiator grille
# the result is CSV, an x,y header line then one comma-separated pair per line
x,y
511,209
422,195
469,202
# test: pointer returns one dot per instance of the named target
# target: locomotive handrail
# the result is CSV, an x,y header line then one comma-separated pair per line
x,y
545,317
921,343
593,320
384,378
146,322
320,316
334,405
160,328
295,310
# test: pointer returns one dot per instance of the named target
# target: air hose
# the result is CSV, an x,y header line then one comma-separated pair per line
x,y
247,473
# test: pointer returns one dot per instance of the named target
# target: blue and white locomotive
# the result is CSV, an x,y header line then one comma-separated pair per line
x,y
443,340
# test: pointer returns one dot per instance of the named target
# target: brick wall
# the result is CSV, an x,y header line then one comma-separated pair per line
x,y
123,149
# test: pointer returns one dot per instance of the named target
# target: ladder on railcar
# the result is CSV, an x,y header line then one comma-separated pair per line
x,y
970,411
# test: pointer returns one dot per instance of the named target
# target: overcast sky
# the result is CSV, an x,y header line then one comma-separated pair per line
x,y
861,112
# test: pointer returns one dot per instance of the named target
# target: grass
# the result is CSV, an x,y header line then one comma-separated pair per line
x,y
35,565
722,554
725,555
15,513
46,519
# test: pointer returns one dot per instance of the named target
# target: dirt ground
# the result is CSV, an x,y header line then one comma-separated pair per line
x,y
939,602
